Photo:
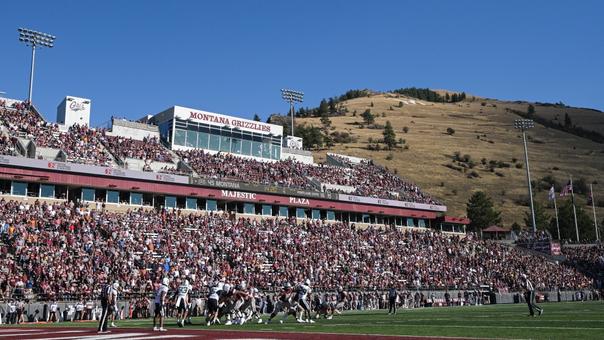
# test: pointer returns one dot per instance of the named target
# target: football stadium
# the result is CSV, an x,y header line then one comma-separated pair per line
x,y
187,223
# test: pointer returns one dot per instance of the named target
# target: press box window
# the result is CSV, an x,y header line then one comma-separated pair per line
x,y
19,189
47,190
136,198
88,194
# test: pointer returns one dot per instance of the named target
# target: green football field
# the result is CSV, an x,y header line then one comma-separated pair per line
x,y
573,320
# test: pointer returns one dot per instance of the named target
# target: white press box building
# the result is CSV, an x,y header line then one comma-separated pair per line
x,y
185,128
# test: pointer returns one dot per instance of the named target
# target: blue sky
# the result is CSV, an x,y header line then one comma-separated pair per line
x,y
138,57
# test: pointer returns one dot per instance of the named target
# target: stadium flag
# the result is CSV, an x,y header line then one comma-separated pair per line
x,y
552,194
552,197
567,189
572,194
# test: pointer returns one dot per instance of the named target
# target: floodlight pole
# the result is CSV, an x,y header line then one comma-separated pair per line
x,y
34,39
31,73
291,111
292,96
525,124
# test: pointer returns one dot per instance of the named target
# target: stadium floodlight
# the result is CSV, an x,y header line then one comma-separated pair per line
x,y
523,125
34,39
292,96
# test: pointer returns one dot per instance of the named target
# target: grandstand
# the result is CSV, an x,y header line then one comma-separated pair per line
x,y
138,201
200,161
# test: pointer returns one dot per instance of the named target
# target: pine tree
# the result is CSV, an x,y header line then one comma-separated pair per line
x,y
541,217
325,121
481,212
531,110
447,97
256,117
368,118
332,106
567,222
389,136
568,123
323,108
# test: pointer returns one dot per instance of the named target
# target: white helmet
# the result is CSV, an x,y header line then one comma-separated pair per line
x,y
187,283
116,285
165,281
226,287
187,272
307,282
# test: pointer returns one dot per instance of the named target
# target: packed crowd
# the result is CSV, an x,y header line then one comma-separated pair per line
x,y
65,250
82,145
285,173
7,145
148,149
540,241
25,123
590,259
366,178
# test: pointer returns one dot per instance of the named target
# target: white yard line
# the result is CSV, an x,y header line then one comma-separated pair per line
x,y
20,332
98,337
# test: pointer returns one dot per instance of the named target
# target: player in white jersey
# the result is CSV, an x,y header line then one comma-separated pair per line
x,y
160,301
302,293
182,302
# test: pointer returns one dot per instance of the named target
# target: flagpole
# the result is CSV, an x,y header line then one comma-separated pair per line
x,y
572,193
593,206
557,224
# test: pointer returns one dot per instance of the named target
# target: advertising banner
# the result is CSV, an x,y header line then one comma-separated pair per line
x,y
92,169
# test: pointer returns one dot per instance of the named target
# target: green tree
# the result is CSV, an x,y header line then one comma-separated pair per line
x,y
481,212
389,136
313,138
568,123
323,108
332,106
368,117
531,110
567,222
542,219
326,122
256,117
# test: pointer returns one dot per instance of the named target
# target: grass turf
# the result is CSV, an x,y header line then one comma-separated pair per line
x,y
576,320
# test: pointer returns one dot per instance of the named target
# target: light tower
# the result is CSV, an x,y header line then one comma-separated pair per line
x,y
34,39
292,96
523,125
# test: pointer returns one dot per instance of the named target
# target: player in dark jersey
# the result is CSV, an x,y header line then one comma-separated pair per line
x,y
283,304
342,298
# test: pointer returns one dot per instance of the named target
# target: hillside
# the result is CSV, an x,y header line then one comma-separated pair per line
x,y
483,129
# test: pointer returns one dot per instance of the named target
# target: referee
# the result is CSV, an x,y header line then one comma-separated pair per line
x,y
108,300
529,296
392,295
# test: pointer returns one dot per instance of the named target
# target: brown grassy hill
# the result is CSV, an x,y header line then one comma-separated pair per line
x,y
483,129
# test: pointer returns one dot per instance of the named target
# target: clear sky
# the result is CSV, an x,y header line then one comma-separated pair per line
x,y
140,57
